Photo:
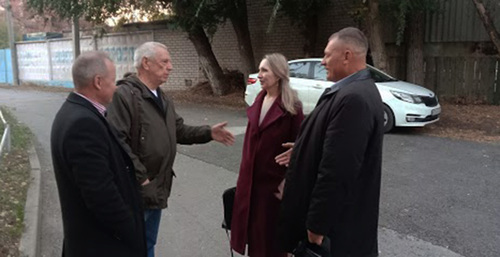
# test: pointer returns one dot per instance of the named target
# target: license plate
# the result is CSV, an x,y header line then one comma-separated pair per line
x,y
436,111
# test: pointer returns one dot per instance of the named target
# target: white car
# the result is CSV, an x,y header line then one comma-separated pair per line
x,y
405,104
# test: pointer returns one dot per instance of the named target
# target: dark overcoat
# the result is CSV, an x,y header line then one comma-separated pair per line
x,y
100,201
333,182
256,207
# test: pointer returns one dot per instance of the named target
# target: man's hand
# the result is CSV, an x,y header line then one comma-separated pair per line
x,y
145,182
221,135
284,158
314,238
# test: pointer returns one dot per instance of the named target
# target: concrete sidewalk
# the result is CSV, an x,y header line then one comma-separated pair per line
x,y
29,245
191,226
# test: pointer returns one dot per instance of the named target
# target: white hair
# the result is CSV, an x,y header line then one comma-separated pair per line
x,y
147,50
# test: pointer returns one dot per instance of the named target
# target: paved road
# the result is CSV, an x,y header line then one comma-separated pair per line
x,y
439,196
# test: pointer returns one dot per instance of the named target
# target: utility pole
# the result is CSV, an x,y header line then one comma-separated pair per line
x,y
12,44
76,38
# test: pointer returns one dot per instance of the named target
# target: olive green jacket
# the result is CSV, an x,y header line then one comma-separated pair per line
x,y
150,134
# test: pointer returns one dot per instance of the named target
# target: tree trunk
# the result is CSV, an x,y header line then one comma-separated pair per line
x,y
240,26
415,48
208,62
375,37
488,23
310,33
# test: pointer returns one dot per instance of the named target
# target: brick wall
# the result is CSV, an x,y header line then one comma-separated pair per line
x,y
225,47
186,69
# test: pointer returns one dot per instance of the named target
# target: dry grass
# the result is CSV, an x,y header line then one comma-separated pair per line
x,y
14,180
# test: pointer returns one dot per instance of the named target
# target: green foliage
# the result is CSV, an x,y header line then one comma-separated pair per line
x,y
191,13
299,11
97,10
4,35
229,8
185,13
358,12
400,10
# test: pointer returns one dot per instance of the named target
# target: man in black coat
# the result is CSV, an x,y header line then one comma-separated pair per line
x,y
333,182
100,202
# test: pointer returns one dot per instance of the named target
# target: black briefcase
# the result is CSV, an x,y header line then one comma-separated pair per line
x,y
307,249
228,201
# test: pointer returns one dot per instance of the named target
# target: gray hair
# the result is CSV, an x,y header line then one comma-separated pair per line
x,y
353,37
87,66
147,50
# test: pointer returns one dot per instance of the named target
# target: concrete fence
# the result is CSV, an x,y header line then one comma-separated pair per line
x,y
49,62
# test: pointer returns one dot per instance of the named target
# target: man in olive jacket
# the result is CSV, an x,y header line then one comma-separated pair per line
x,y
333,183
147,122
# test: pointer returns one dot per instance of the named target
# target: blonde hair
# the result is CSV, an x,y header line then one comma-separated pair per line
x,y
279,66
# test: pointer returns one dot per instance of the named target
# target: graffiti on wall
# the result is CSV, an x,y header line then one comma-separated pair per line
x,y
52,63
33,61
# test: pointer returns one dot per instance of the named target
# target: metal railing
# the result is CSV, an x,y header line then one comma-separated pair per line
x,y
5,143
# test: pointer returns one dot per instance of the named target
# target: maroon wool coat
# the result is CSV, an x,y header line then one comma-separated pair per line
x,y
256,208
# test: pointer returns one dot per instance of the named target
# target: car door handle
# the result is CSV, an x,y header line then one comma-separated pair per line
x,y
317,86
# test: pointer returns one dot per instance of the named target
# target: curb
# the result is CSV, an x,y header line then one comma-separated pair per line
x,y
28,246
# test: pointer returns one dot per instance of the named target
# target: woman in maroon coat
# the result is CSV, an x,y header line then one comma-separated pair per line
x,y
273,119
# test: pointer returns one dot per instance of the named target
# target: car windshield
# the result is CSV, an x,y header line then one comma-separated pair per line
x,y
303,69
379,76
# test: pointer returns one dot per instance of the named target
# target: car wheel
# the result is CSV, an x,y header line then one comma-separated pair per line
x,y
388,119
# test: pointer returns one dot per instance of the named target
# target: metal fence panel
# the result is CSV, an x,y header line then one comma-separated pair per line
x,y
458,21
5,66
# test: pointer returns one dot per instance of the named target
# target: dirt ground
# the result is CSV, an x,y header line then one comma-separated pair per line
x,y
479,123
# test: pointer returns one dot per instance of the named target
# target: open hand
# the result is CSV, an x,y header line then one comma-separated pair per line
x,y
222,135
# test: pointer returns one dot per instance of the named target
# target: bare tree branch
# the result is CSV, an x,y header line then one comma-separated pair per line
x,y
488,24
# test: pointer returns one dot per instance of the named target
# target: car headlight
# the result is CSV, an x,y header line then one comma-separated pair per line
x,y
414,99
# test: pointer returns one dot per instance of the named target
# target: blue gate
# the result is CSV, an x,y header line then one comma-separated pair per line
x,y
5,67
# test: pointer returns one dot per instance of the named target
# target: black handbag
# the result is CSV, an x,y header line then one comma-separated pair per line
x,y
228,201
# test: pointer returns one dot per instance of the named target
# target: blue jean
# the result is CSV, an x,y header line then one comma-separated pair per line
x,y
151,224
